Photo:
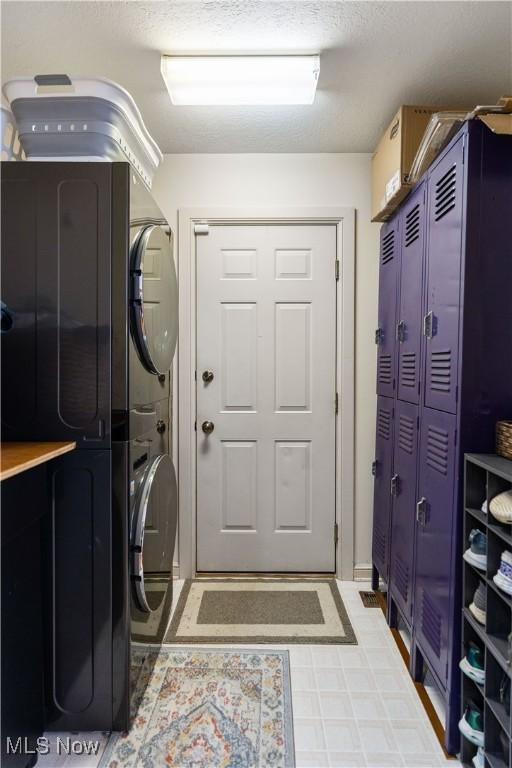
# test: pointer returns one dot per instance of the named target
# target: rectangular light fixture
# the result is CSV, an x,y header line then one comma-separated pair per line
x,y
241,80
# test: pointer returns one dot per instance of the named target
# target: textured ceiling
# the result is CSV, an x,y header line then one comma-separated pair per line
x,y
374,56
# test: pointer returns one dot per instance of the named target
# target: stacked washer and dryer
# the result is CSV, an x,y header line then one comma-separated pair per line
x,y
90,311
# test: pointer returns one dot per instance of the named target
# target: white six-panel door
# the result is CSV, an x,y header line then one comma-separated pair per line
x,y
266,329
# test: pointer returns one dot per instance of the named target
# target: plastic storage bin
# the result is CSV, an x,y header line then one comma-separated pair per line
x,y
11,147
77,118
440,129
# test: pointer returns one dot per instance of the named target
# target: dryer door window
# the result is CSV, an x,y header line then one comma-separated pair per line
x,y
154,299
153,531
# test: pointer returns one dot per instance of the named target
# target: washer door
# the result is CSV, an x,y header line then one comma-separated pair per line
x,y
154,299
153,528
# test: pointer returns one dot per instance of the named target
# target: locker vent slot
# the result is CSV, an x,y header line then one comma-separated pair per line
x,y
388,247
445,193
431,623
412,225
384,424
441,371
385,369
437,449
401,577
408,370
406,434
379,545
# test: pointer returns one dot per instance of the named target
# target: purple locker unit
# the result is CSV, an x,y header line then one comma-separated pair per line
x,y
458,278
468,372
385,333
410,314
404,499
382,471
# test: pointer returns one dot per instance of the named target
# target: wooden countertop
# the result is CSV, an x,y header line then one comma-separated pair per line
x,y
18,457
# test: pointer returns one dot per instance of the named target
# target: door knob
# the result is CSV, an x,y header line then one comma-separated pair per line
x,y
207,376
160,426
207,427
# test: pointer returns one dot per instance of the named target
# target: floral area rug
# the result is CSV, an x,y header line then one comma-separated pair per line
x,y
201,708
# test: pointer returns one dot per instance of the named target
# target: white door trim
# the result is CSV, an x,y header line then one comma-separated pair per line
x,y
344,220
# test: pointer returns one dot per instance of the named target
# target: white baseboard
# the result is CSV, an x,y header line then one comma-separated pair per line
x,y
362,572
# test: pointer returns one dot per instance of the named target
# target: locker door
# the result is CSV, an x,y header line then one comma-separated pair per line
x,y
385,334
441,324
410,316
436,519
382,472
404,505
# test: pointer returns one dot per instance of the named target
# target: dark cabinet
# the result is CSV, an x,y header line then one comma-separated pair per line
x,y
446,278
65,268
24,506
79,599
56,228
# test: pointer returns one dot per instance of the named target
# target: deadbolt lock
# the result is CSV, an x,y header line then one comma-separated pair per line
x,y
207,376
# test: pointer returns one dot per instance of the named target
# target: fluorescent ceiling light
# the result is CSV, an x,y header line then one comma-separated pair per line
x,y
235,80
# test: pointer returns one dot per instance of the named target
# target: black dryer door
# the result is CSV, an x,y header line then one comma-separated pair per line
x,y
154,298
153,531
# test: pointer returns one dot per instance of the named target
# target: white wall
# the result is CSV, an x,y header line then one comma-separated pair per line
x,y
185,181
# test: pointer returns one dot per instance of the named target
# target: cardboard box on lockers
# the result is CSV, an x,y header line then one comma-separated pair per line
x,y
393,158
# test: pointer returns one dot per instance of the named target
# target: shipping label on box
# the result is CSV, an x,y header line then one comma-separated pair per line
x,y
393,185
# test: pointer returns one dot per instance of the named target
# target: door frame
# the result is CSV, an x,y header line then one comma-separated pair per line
x,y
344,220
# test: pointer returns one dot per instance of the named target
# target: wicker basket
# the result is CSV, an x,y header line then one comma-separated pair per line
x,y
504,439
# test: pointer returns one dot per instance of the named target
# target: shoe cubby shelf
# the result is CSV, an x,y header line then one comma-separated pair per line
x,y
485,477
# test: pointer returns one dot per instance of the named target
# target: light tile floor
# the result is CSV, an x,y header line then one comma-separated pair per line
x,y
353,706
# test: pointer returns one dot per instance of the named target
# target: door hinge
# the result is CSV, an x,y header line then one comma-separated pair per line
x,y
379,336
195,375
337,269
374,468
201,228
195,426
336,534
336,403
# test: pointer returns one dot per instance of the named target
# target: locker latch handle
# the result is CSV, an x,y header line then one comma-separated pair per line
x,y
428,325
421,509
379,336
395,485
400,331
